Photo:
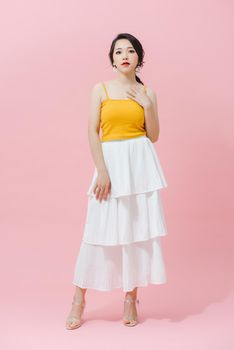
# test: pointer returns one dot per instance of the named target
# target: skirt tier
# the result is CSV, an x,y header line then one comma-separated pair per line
x,y
121,245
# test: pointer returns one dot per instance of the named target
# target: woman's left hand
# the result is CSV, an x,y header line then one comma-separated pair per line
x,y
138,94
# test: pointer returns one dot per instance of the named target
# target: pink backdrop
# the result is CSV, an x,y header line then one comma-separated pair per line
x,y
52,53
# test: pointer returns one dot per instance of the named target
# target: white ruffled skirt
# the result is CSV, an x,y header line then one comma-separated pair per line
x,y
121,245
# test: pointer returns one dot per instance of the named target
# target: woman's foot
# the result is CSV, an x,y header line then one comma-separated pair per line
x,y
130,317
74,318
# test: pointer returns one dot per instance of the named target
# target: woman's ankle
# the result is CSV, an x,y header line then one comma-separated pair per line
x,y
79,294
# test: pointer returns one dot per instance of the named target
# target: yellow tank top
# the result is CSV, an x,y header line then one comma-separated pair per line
x,y
121,119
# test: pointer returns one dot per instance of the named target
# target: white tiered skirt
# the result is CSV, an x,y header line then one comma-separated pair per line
x,y
121,246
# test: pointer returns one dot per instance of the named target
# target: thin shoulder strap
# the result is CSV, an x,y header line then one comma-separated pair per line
x,y
105,90
145,87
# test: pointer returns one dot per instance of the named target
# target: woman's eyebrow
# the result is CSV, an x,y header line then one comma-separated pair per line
x,y
129,47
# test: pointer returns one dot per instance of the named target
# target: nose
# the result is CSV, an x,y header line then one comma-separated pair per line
x,y
125,56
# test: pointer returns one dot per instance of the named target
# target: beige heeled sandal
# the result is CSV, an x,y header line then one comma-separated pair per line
x,y
130,322
74,319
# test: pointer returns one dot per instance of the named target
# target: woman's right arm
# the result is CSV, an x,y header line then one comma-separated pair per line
x,y
103,184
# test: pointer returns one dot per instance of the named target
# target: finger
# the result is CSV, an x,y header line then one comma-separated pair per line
x,y
101,193
94,190
105,192
137,88
130,94
132,91
98,192
97,187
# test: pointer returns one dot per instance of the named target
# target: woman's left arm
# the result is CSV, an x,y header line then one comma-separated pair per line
x,y
151,116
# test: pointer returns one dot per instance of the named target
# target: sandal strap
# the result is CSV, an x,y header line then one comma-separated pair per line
x,y
82,303
132,300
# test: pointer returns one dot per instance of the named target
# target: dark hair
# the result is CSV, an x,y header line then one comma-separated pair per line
x,y
137,46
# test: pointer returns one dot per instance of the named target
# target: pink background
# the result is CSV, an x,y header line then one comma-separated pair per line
x,y
52,53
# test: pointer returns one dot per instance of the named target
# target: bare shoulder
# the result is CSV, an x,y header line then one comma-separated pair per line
x,y
97,92
150,92
96,88
109,82
99,85
95,105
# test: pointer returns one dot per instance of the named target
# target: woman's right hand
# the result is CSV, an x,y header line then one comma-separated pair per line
x,y
103,185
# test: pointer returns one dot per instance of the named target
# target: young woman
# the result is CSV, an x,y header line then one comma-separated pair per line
x,y
125,220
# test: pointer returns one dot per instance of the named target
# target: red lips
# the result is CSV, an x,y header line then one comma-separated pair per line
x,y
125,63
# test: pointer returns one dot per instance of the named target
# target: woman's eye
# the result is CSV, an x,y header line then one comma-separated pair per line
x,y
129,50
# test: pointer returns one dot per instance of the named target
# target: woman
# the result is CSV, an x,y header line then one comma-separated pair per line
x,y
121,241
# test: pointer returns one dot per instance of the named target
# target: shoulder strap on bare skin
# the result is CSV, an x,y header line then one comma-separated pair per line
x,y
105,90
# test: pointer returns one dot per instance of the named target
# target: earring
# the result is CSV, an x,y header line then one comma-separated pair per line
x,y
114,68
137,69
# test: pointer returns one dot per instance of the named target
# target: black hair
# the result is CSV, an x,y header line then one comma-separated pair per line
x,y
137,46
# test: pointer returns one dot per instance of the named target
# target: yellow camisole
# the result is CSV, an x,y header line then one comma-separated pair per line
x,y
121,119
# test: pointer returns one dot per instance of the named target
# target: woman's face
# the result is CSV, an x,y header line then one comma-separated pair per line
x,y
125,52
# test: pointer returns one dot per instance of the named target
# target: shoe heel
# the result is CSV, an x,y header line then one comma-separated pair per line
x,y
131,323
82,303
